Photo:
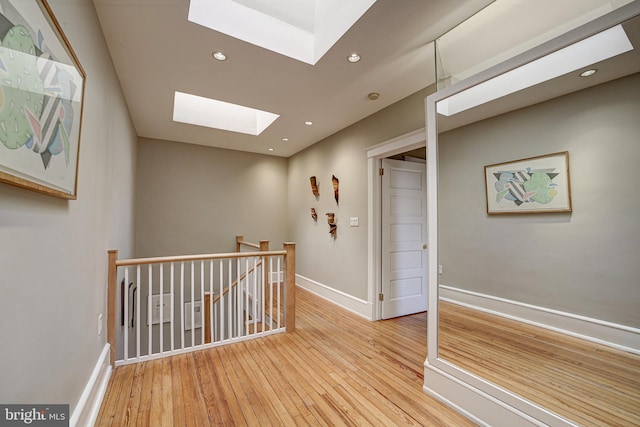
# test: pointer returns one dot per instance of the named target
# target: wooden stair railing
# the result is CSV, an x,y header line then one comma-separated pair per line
x,y
263,247
289,282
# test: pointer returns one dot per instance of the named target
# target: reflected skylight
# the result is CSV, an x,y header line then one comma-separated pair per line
x,y
599,47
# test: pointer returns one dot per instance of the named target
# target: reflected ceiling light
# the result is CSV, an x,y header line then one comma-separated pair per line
x,y
596,48
308,123
197,110
588,73
270,149
220,56
285,139
353,58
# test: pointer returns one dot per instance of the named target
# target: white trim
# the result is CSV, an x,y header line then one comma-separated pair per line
x,y
483,408
348,302
614,335
374,250
87,408
400,144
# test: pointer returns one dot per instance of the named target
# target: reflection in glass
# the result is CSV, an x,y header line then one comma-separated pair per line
x,y
569,267
528,24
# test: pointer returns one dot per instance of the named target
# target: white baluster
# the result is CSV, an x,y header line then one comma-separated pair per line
x,y
270,293
182,304
193,316
263,267
247,310
125,331
138,311
221,301
212,332
172,325
254,306
278,300
229,298
161,325
202,307
149,311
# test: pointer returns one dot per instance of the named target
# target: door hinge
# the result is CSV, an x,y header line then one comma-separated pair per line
x,y
381,171
381,297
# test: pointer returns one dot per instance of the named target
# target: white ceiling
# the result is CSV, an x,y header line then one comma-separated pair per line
x,y
157,52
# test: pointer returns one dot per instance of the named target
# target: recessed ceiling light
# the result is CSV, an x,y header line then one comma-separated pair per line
x,y
270,149
308,123
220,56
588,73
353,58
285,139
373,96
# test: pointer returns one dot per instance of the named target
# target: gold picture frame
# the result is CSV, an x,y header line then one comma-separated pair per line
x,y
42,96
533,185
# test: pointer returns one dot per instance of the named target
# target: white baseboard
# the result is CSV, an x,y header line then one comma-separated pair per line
x,y
504,409
613,335
348,302
87,408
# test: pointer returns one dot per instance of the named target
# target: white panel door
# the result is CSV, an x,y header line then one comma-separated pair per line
x,y
404,237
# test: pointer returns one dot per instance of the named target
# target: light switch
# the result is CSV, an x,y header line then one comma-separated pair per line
x,y
354,221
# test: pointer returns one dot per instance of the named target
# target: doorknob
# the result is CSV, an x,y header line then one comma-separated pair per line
x,y
425,246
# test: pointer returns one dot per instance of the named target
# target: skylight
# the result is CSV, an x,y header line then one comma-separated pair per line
x,y
301,29
197,110
599,47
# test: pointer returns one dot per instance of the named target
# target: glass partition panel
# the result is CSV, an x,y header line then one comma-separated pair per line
x,y
576,264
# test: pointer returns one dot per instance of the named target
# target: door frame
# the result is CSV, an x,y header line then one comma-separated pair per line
x,y
375,154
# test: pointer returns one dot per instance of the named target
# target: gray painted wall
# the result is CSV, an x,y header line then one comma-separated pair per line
x,y
585,262
341,263
195,199
192,199
53,253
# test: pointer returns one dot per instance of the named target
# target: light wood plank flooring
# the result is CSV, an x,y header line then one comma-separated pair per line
x,y
335,369
339,369
591,384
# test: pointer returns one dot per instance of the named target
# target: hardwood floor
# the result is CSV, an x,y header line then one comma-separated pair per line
x,y
339,369
335,369
591,384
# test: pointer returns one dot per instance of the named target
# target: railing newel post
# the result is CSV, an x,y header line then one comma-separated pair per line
x,y
290,286
239,240
112,294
